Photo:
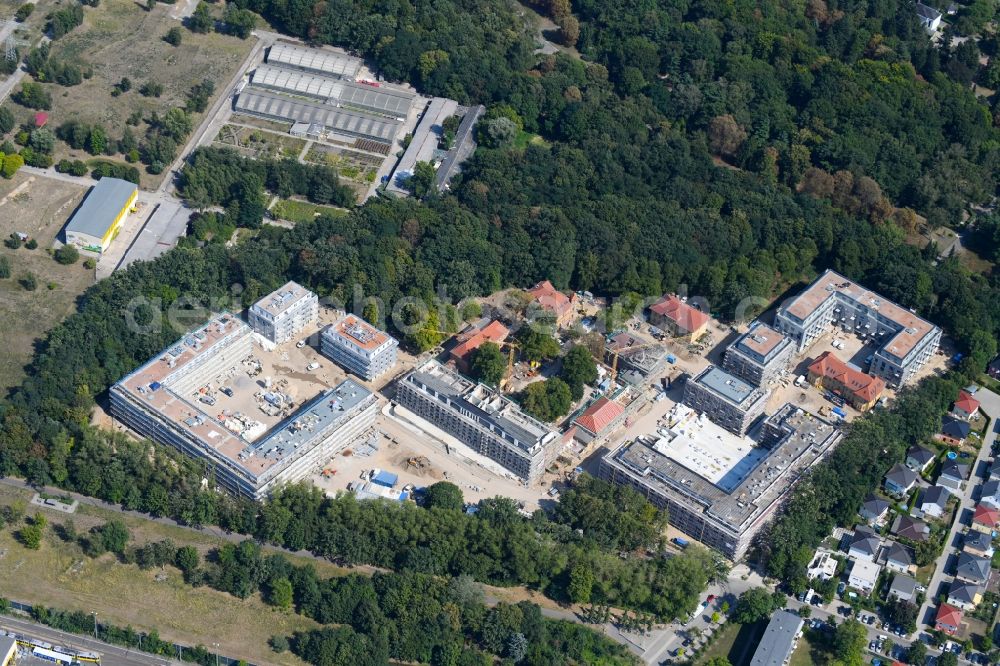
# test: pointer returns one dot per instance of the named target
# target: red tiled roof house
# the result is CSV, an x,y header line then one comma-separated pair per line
x,y
678,319
861,390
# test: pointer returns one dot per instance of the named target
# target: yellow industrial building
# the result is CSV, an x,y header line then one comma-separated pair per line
x,y
101,215
8,650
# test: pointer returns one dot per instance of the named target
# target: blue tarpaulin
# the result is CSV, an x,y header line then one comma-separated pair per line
x,y
386,479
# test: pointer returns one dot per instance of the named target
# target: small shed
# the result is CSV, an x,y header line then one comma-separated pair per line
x,y
385,479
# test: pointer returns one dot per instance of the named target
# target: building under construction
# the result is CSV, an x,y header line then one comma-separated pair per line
x,y
480,418
179,396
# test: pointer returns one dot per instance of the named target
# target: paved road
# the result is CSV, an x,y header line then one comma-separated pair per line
x,y
111,655
990,404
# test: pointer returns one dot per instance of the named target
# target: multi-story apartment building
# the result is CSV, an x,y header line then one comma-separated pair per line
x,y
905,341
283,313
719,488
725,398
165,400
481,418
359,347
759,355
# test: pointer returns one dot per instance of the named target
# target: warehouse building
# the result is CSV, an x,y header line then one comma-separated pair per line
x,y
284,312
101,215
323,61
759,355
725,398
358,347
905,341
481,418
167,400
346,122
720,488
382,100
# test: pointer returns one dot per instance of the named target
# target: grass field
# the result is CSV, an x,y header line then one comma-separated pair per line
x,y
107,41
38,207
60,575
296,211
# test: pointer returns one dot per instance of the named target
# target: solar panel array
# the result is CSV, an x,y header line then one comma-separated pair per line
x,y
391,102
317,60
282,107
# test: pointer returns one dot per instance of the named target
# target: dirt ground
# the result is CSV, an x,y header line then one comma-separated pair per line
x,y
60,575
107,41
39,207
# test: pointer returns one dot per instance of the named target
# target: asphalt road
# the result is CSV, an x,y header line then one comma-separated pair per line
x,y
990,404
111,655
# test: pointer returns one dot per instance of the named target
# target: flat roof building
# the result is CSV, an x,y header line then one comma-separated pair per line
x,y
358,347
275,105
324,61
905,341
284,312
8,650
726,399
720,488
169,400
759,355
481,418
101,215
779,639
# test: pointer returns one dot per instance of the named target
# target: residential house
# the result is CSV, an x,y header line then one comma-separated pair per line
x,y
548,302
471,338
990,493
677,318
900,480
978,543
919,459
986,518
953,431
953,474
995,471
965,407
906,527
823,566
874,509
859,389
993,369
904,588
929,17
935,501
948,619
863,576
898,558
965,595
864,545
972,568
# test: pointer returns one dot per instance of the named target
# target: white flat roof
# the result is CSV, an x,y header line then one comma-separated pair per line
x,y
712,452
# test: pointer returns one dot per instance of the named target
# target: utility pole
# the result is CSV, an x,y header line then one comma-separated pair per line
x,y
94,613
216,646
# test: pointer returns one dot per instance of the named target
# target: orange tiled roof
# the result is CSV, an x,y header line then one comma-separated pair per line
x,y
492,332
684,316
864,386
550,298
600,415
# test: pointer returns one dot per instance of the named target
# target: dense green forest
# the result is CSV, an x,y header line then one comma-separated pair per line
x,y
736,148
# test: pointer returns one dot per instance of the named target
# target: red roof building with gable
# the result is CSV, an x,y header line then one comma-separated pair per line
x,y
861,390
986,518
678,318
470,340
965,407
601,415
546,297
948,619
